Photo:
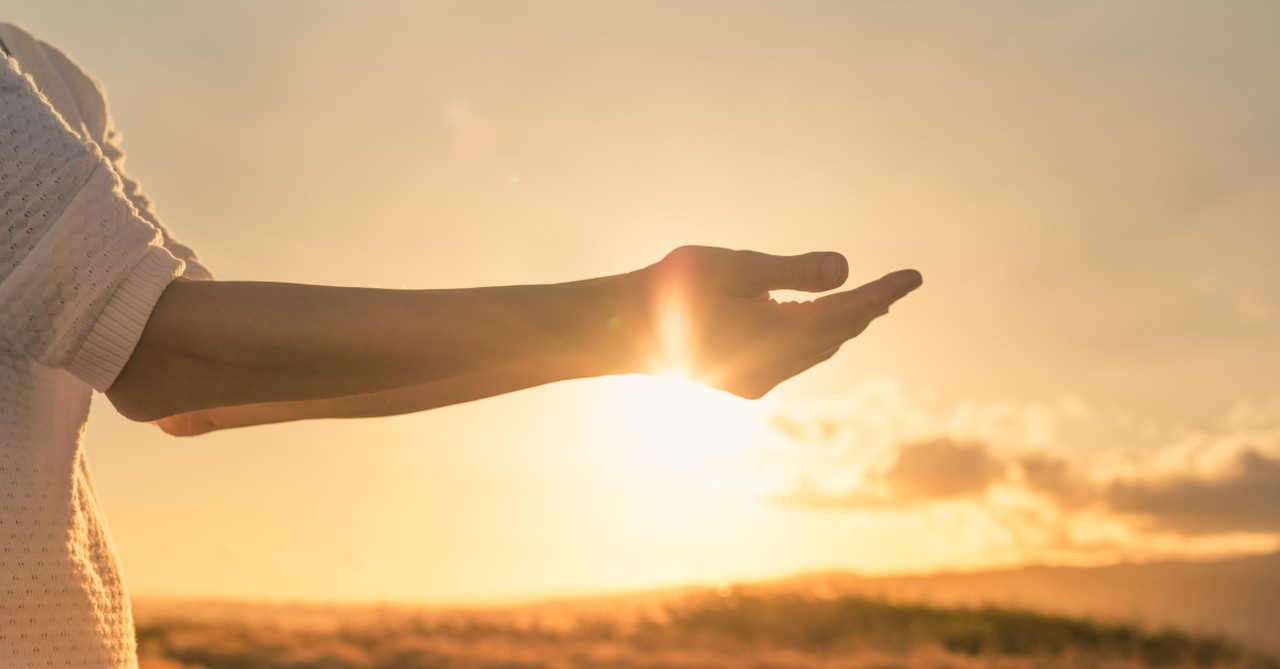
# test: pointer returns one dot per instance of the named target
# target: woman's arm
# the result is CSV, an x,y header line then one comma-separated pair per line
x,y
217,344
704,311
447,392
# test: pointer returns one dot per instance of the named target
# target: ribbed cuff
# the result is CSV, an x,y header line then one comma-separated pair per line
x,y
119,327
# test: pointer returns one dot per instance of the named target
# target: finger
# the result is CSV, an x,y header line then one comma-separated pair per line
x,y
848,313
750,273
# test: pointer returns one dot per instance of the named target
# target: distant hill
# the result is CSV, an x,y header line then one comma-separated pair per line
x,y
1238,597
719,629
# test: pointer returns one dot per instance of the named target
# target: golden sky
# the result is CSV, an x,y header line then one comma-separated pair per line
x,y
1091,190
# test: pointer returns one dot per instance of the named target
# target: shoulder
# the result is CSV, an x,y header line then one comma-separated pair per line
x,y
70,88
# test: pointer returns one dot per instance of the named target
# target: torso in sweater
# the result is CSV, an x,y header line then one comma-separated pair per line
x,y
82,262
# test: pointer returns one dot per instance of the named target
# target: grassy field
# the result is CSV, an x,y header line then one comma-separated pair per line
x,y
739,631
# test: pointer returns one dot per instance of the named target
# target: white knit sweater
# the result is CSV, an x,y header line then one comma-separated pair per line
x,y
82,262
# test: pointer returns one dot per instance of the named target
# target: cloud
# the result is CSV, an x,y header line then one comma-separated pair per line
x,y
1029,470
1054,477
942,469
1247,499
1241,495
937,469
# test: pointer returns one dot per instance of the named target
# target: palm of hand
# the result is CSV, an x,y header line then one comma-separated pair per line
x,y
712,319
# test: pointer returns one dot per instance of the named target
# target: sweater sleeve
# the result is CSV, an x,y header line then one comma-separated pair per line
x,y
80,269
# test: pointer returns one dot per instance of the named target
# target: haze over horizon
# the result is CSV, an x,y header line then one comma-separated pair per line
x,y
1091,190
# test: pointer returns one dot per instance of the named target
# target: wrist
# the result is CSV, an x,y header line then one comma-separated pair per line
x,y
617,329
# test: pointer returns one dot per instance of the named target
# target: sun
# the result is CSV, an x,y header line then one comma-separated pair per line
x,y
679,431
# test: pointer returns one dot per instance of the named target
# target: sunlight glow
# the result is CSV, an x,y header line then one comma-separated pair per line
x,y
678,431
671,357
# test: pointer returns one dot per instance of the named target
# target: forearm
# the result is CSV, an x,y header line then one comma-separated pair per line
x,y
454,390
218,344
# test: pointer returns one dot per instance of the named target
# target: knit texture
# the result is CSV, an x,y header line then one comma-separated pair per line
x,y
83,261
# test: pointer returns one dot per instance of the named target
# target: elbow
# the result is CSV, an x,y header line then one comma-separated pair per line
x,y
138,405
141,394
155,399
143,407
172,423
191,424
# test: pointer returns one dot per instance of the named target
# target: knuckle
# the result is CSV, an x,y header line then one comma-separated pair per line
x,y
676,263
688,257
796,272
806,270
690,251
681,252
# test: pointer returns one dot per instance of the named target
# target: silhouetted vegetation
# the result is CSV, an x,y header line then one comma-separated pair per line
x,y
739,631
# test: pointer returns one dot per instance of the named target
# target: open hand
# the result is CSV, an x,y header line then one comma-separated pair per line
x,y
710,316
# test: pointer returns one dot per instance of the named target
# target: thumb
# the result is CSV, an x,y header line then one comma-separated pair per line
x,y
751,273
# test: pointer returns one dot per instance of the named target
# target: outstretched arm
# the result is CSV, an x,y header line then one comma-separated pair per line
x,y
700,311
454,390
218,344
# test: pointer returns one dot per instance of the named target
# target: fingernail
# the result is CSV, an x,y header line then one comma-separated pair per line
x,y
833,268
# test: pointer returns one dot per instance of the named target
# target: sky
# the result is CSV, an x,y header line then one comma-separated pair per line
x,y
1090,189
